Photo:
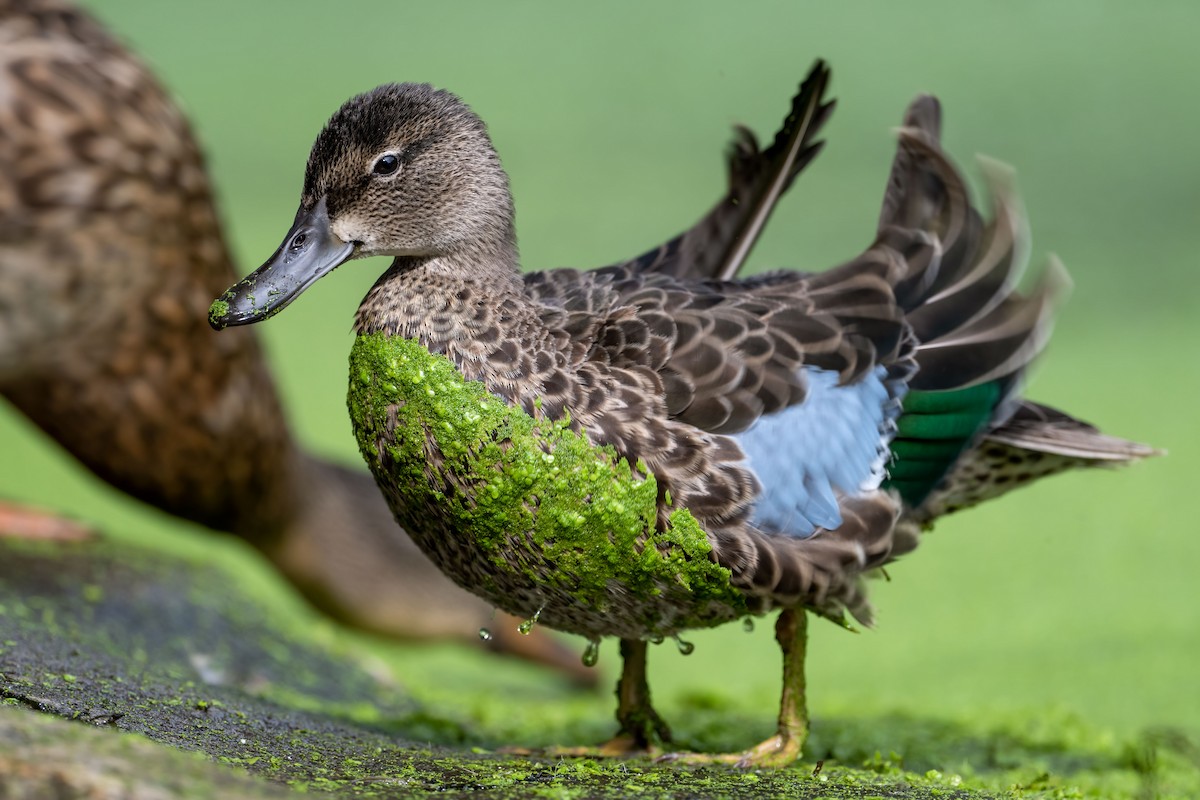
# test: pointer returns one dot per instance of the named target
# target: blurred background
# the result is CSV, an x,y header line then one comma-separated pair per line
x,y
1077,594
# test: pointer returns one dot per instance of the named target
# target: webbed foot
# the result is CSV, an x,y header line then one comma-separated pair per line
x,y
785,746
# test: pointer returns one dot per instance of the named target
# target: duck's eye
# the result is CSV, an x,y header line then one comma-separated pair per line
x,y
387,164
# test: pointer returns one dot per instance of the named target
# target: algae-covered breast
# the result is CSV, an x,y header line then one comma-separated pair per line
x,y
527,512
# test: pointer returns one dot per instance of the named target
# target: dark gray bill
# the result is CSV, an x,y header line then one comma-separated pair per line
x,y
308,251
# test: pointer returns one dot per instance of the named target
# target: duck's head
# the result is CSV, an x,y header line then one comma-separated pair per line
x,y
404,170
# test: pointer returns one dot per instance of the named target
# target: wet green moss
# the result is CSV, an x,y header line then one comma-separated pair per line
x,y
587,515
217,311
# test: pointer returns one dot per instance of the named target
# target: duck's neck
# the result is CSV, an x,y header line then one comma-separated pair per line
x,y
467,307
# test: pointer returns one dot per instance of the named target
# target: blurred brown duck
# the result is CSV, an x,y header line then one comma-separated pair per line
x,y
105,207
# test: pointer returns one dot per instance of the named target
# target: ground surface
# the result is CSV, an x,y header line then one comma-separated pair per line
x,y
154,659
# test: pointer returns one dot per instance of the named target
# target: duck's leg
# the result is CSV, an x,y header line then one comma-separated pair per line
x,y
791,631
640,723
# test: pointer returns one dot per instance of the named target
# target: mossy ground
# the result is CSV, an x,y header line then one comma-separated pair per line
x,y
124,639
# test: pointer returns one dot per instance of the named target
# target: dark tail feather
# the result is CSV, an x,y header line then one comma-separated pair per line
x,y
996,346
914,195
964,436
1036,427
976,333
1035,442
971,323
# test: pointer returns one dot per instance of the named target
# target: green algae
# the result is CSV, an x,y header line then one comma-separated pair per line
x,y
534,497
217,310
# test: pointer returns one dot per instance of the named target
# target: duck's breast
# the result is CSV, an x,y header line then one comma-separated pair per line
x,y
524,511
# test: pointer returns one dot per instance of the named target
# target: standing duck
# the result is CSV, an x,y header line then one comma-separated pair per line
x,y
110,251
657,446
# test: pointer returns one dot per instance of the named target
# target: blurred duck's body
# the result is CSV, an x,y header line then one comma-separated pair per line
x,y
110,252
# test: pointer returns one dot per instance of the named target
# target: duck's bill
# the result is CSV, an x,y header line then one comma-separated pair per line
x,y
309,251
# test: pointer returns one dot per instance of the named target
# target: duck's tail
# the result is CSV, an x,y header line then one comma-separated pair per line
x,y
964,434
1036,441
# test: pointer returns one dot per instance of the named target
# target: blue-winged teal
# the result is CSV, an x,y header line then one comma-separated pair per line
x,y
659,445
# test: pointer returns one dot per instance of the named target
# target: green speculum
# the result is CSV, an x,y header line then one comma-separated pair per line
x,y
541,509
933,431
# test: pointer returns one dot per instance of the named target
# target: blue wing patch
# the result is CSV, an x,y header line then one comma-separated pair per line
x,y
835,441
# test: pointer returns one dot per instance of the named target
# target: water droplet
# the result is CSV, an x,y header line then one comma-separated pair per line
x,y
591,654
656,639
485,634
685,648
525,627
748,624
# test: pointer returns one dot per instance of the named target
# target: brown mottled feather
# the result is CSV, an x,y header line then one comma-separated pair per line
x,y
108,188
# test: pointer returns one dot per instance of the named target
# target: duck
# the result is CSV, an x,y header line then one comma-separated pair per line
x,y
110,251
662,444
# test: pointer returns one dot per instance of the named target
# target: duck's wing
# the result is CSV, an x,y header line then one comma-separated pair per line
x,y
718,244
676,374
806,372
762,406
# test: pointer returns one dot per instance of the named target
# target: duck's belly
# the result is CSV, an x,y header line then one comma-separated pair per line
x,y
526,513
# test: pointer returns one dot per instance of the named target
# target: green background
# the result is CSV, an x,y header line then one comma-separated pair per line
x,y
1077,594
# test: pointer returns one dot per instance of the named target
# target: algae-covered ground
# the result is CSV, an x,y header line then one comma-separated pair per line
x,y
117,638
1046,641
